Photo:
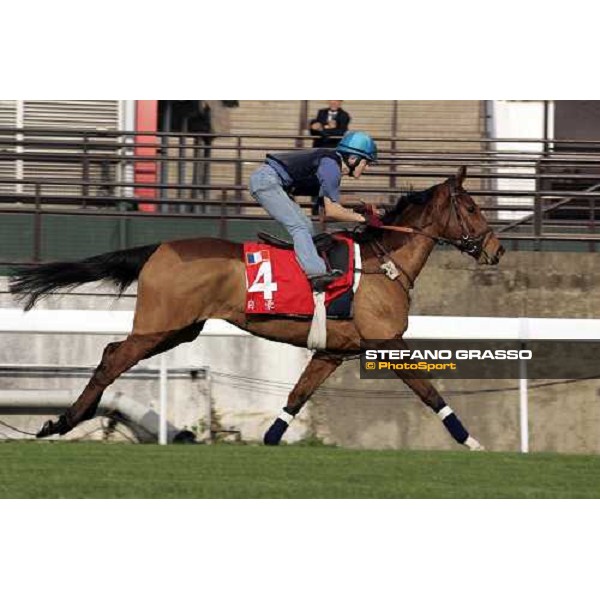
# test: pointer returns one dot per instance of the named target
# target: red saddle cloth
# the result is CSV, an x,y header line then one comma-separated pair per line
x,y
277,285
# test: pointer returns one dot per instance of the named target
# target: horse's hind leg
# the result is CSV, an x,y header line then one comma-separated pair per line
x,y
320,367
187,334
117,358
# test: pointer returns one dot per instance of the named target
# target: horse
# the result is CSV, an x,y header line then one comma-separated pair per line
x,y
183,283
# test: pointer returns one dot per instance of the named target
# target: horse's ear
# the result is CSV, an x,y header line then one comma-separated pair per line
x,y
461,176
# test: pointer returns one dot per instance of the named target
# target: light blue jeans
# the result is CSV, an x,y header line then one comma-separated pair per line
x,y
265,187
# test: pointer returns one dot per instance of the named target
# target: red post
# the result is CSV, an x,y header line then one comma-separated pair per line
x,y
146,119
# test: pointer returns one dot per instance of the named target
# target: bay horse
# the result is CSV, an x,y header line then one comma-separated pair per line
x,y
183,283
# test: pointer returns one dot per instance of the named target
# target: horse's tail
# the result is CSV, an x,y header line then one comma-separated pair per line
x,y
121,268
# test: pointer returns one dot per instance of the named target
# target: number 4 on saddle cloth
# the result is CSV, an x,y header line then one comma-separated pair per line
x,y
277,285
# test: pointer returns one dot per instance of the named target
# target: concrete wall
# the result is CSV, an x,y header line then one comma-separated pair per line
x,y
525,284
251,377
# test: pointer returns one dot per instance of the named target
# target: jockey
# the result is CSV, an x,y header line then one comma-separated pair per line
x,y
315,172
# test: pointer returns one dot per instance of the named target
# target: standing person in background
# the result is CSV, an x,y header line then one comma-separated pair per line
x,y
330,125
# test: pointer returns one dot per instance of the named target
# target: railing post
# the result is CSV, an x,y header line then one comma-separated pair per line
x,y
85,191
166,126
223,216
181,168
163,378
538,213
592,244
302,122
523,404
195,172
393,148
238,171
37,224
20,137
546,126
164,172
238,164
523,388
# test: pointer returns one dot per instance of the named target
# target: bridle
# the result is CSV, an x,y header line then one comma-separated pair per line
x,y
467,242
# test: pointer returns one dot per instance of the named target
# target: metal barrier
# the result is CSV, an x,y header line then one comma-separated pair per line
x,y
532,197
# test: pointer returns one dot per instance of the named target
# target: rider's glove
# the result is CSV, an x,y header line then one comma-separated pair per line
x,y
373,220
366,209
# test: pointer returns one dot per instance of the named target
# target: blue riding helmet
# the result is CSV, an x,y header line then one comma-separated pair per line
x,y
360,144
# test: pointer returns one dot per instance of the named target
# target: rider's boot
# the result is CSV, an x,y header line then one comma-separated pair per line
x,y
320,282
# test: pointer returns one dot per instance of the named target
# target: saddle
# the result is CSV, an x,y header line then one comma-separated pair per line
x,y
276,284
332,250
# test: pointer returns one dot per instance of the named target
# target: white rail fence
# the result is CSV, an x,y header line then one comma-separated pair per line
x,y
522,329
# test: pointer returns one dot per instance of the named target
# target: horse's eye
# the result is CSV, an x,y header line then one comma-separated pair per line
x,y
471,208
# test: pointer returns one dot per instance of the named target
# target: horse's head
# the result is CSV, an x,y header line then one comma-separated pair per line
x,y
447,213
461,222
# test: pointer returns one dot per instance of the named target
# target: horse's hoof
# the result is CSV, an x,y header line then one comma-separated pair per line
x,y
51,428
46,430
473,445
275,432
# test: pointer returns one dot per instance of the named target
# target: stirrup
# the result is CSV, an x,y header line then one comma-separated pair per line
x,y
320,282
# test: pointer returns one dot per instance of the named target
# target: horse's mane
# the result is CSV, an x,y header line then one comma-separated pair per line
x,y
405,200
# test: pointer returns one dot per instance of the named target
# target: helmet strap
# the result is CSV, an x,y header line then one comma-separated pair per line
x,y
351,168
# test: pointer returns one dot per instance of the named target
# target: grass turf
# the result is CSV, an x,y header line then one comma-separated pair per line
x,y
95,470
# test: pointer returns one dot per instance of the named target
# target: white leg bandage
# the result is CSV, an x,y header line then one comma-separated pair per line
x,y
285,416
445,412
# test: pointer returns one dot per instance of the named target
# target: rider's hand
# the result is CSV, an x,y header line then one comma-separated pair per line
x,y
367,209
364,209
373,220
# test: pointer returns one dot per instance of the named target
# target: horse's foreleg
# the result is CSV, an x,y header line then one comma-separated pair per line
x,y
430,396
320,367
425,390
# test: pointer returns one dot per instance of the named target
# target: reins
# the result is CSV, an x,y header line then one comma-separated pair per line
x,y
401,229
